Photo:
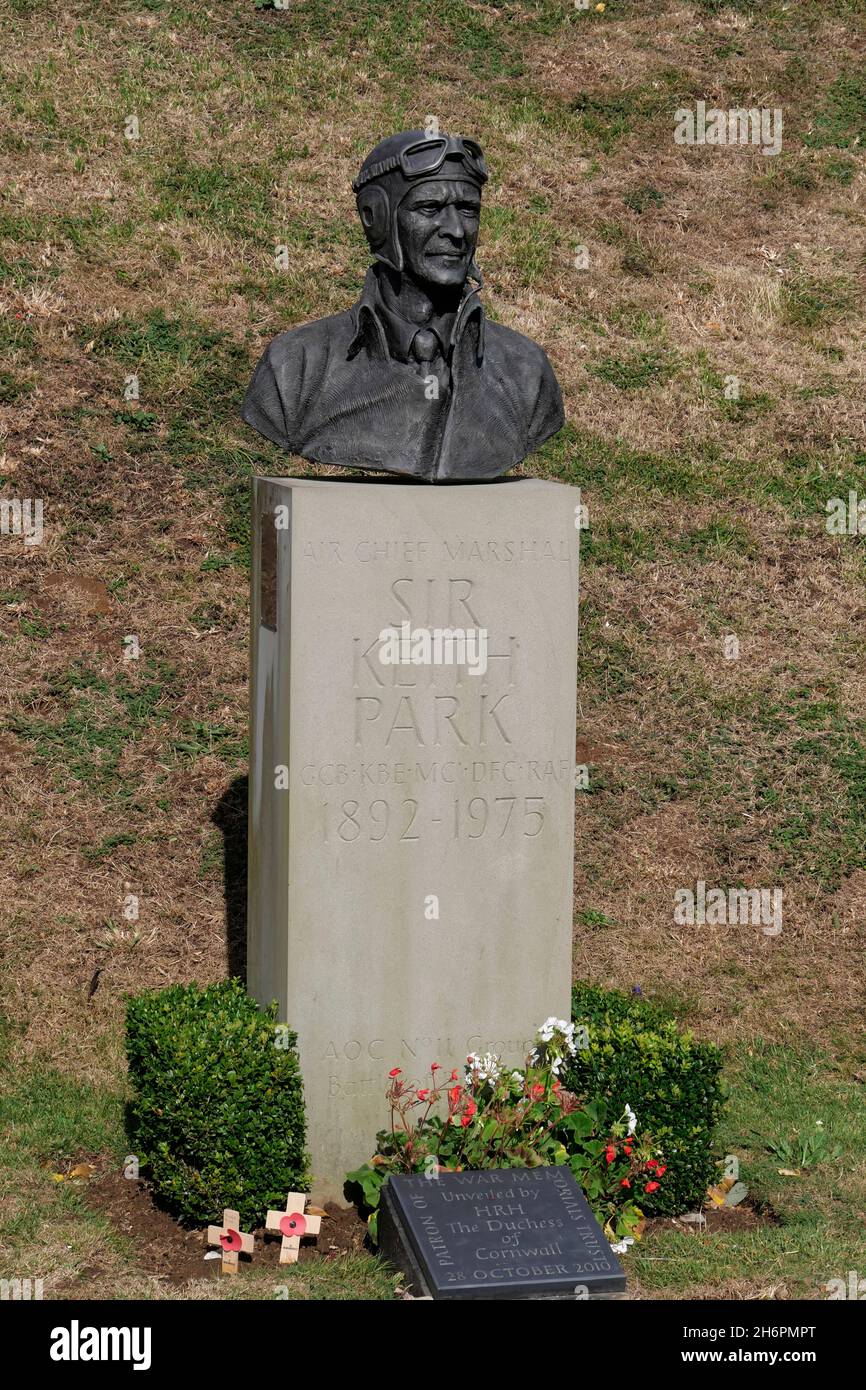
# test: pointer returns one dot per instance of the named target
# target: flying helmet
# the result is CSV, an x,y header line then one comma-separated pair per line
x,y
398,164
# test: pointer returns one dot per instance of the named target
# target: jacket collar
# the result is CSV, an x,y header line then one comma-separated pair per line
x,y
386,335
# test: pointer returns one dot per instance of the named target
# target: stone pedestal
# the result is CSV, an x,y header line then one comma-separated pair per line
x,y
411,825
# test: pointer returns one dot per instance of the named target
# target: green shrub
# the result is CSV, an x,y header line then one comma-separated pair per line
x,y
638,1056
600,1006
217,1115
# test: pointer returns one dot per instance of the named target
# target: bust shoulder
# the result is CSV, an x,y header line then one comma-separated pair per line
x,y
310,340
518,357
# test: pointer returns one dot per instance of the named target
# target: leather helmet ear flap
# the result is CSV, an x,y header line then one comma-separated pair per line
x,y
378,221
375,213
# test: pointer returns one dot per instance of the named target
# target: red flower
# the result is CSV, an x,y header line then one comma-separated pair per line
x,y
625,1183
435,1067
454,1094
395,1071
610,1153
294,1223
651,1187
537,1091
662,1168
453,1076
231,1240
652,1163
422,1095
469,1109
468,1112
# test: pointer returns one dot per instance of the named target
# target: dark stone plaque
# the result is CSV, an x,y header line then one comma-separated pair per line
x,y
508,1233
268,585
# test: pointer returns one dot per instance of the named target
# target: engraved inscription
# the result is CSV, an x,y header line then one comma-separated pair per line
x,y
529,1225
504,550
475,819
467,729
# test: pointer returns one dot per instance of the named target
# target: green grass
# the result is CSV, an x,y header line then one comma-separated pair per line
x,y
778,1093
717,538
633,373
841,118
33,627
593,919
94,853
197,738
527,239
809,300
16,335
815,821
49,1118
94,721
606,467
617,544
12,388
230,197
172,352
840,170
46,1121
193,378
206,616
643,199
608,666
608,119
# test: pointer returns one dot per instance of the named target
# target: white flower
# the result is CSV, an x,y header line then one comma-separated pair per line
x,y
622,1245
554,1041
632,1119
482,1068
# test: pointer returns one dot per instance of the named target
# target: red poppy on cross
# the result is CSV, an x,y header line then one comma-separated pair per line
x,y
231,1239
291,1224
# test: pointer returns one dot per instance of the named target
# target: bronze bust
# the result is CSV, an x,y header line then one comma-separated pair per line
x,y
413,379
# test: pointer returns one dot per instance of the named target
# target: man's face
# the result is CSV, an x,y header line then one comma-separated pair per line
x,y
437,224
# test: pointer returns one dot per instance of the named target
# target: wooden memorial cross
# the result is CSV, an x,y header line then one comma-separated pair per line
x,y
232,1239
291,1224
